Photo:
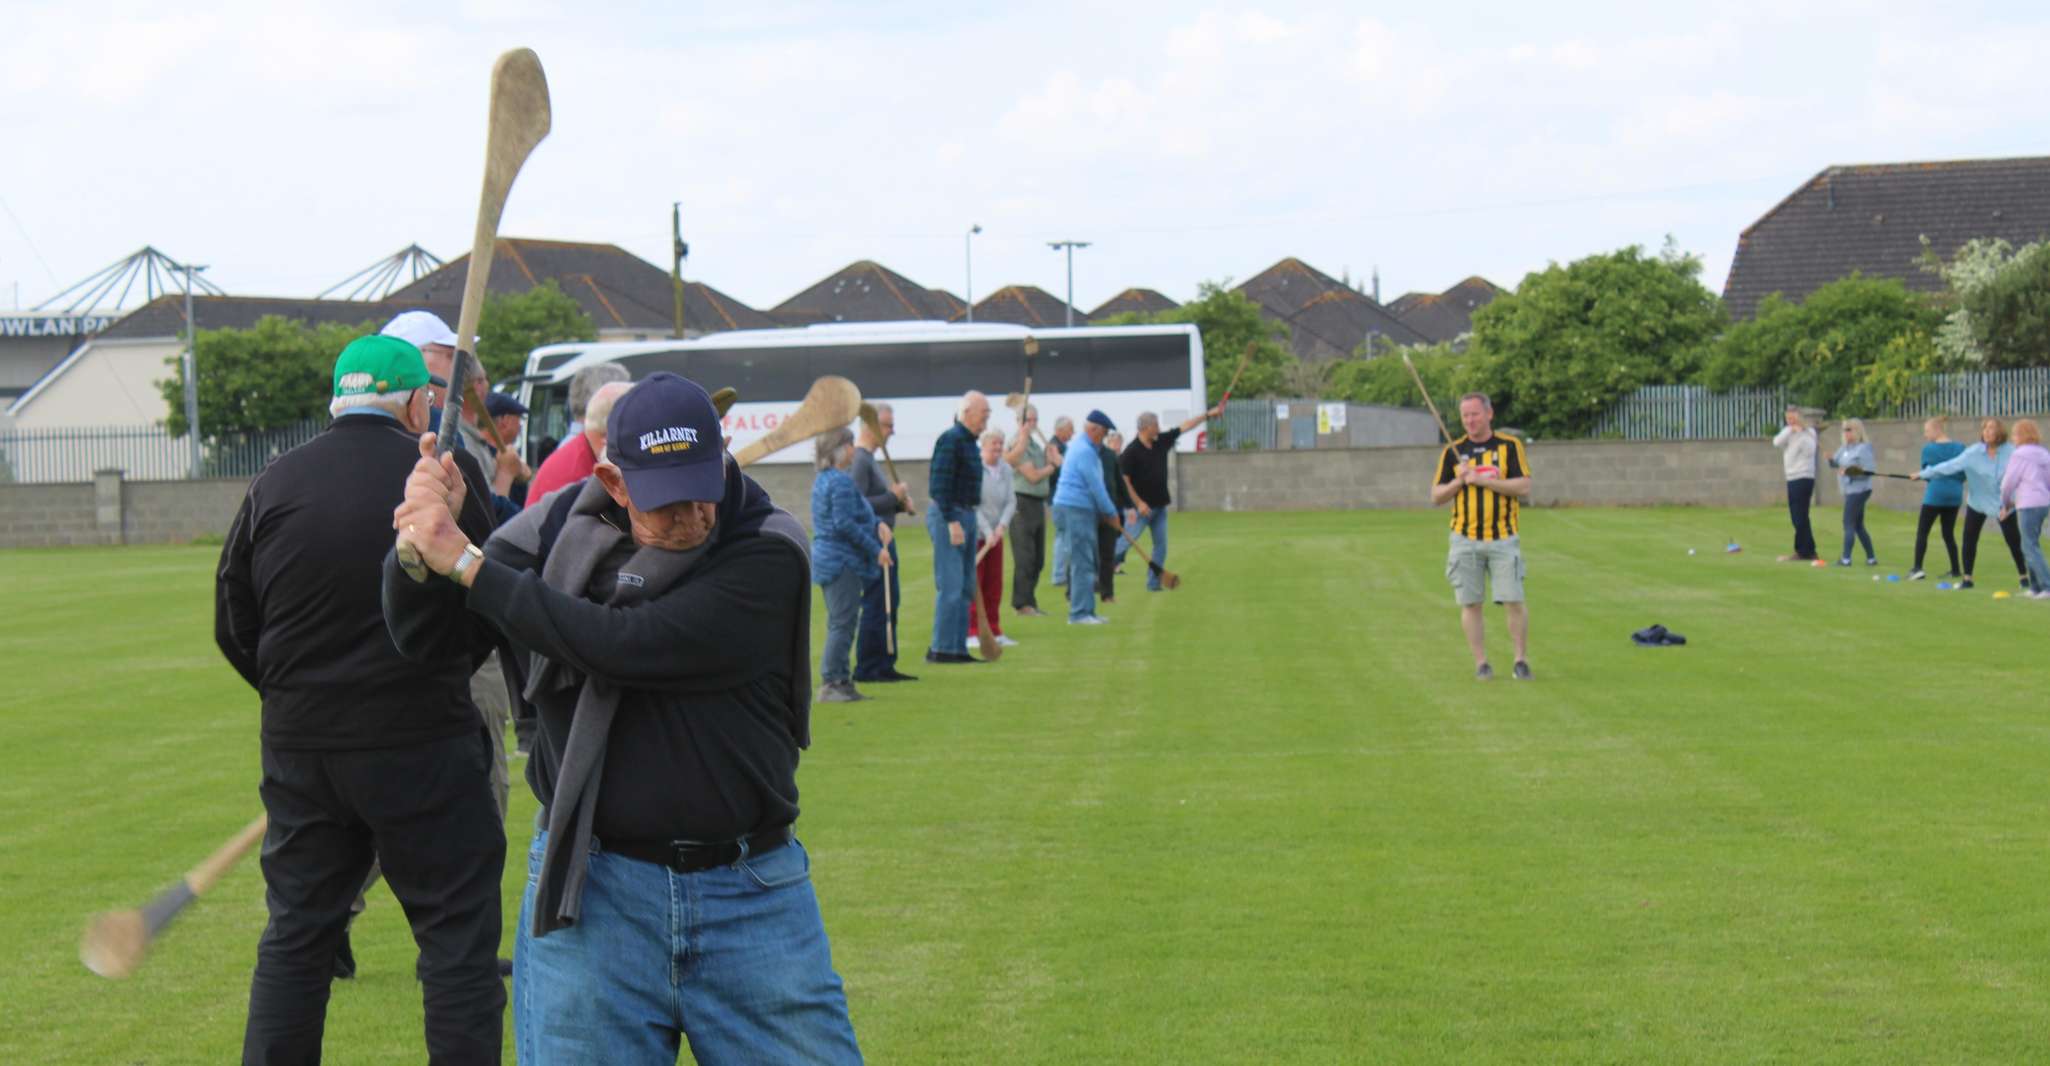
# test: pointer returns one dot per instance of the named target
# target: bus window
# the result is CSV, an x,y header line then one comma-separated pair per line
x,y
547,416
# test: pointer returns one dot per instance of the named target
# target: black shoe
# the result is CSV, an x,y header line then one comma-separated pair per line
x,y
896,675
948,658
345,960
1965,584
1521,671
1484,673
505,967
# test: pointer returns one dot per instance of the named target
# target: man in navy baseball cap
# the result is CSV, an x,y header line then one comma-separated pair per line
x,y
663,446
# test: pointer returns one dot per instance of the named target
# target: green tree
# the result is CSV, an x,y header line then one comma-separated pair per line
x,y
1229,322
1383,379
1851,347
2009,313
512,325
1571,340
274,374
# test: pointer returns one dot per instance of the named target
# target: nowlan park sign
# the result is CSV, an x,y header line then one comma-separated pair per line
x,y
54,325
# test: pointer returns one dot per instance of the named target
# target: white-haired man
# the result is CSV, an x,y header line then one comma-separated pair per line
x,y
577,455
1143,465
955,491
365,753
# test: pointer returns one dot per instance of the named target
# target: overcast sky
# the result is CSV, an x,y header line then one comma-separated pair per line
x,y
288,145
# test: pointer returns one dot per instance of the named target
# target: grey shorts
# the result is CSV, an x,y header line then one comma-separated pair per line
x,y
1498,562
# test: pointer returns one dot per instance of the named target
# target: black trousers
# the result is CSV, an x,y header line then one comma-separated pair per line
x,y
1028,551
2010,528
872,641
427,813
1800,494
1929,517
1106,561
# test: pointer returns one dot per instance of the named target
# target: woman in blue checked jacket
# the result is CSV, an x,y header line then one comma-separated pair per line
x,y
848,545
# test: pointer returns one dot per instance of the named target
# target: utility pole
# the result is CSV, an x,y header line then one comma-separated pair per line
x,y
1069,247
678,251
192,377
968,255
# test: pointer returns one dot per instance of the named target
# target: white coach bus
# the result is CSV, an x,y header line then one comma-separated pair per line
x,y
919,368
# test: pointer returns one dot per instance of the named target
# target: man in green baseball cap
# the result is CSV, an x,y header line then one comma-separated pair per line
x,y
365,754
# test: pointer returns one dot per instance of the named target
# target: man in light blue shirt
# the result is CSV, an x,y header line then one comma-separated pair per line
x,y
1080,503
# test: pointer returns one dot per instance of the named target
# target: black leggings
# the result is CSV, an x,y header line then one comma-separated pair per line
x,y
1930,513
2010,527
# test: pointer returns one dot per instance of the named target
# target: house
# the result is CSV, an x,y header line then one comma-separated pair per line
x,y
866,291
111,380
1133,302
627,297
1023,305
1444,317
1873,218
1327,319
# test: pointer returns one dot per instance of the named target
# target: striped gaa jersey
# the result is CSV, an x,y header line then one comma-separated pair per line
x,y
1477,513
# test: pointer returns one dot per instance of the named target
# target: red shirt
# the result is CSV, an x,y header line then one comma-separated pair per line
x,y
571,461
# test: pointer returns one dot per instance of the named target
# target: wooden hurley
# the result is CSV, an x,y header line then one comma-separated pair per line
x,y
116,942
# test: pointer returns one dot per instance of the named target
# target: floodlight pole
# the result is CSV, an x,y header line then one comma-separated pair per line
x,y
1070,247
968,258
192,376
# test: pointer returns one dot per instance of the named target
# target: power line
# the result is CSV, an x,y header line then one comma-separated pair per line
x,y
28,240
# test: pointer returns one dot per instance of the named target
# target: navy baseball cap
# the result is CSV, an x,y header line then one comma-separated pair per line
x,y
503,403
1101,419
664,437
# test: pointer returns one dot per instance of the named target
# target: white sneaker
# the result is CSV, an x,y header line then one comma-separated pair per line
x,y
1004,641
2040,594
1089,620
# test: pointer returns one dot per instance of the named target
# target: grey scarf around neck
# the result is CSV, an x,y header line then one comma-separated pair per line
x,y
584,542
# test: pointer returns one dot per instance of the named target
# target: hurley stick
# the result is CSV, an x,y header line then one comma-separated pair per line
x,y
1168,578
831,403
1236,374
116,942
520,118
1418,378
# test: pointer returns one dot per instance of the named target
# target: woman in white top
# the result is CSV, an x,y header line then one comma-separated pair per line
x,y
1797,449
992,518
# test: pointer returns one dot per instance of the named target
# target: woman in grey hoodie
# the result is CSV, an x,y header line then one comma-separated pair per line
x,y
1855,454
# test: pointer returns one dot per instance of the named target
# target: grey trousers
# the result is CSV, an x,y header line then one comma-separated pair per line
x,y
494,706
1028,551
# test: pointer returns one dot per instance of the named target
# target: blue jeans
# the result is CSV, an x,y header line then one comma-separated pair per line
x,y
872,655
1078,532
1854,523
953,572
2032,546
843,613
734,959
1060,546
1156,523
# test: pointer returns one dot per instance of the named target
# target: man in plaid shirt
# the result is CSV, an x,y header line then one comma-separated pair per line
x,y
956,490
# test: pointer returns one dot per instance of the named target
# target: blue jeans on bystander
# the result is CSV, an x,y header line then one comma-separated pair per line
x,y
953,572
1078,532
2032,546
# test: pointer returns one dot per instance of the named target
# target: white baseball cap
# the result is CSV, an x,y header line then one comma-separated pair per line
x,y
422,328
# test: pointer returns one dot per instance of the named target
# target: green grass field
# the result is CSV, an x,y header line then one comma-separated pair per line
x,y
1266,818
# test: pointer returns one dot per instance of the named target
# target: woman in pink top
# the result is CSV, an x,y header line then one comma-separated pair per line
x,y
2025,491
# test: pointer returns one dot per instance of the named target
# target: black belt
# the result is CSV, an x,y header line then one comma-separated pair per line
x,y
690,856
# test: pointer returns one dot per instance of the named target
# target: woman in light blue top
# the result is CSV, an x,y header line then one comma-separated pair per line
x,y
1982,466
1856,454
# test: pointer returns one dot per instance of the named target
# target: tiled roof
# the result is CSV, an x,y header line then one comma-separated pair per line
x,y
1327,318
165,315
866,291
1872,219
1134,301
1445,317
1023,305
1336,323
618,289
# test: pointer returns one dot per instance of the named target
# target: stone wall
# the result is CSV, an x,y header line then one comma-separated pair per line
x,y
1704,473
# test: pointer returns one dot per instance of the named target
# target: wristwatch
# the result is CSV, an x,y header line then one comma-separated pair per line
x,y
471,553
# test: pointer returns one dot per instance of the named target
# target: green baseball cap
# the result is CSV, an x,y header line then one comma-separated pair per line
x,y
377,364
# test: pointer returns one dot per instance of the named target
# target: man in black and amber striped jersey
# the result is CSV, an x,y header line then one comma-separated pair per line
x,y
1486,476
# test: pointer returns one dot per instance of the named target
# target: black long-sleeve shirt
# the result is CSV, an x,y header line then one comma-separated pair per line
x,y
702,747
297,609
